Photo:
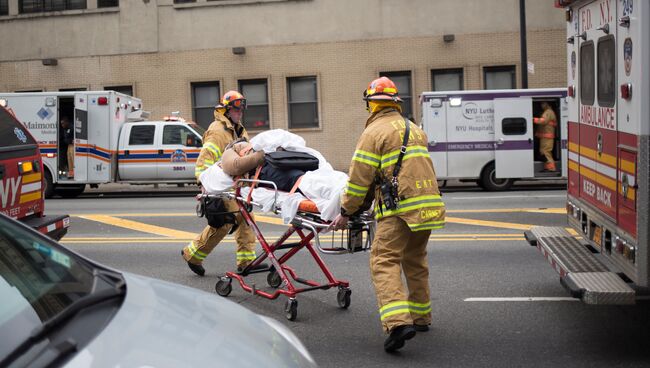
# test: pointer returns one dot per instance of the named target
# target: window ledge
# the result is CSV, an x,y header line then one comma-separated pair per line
x,y
227,3
114,9
315,129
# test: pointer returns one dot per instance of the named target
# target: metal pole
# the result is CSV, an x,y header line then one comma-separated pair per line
x,y
522,39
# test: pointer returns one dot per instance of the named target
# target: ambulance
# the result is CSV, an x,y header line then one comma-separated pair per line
x,y
608,196
487,136
112,141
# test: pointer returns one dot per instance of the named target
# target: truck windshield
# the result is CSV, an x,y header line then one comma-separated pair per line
x,y
199,129
38,280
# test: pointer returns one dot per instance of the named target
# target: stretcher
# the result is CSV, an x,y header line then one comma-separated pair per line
x,y
308,226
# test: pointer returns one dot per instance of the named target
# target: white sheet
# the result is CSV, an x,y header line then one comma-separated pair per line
x,y
323,186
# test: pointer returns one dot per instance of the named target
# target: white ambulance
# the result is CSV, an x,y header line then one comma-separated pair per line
x,y
112,141
608,192
488,136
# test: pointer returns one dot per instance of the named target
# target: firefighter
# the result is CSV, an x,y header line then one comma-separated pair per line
x,y
225,128
546,133
402,233
68,139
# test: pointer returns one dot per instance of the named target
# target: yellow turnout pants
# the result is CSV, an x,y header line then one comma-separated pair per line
x,y
546,149
397,249
209,238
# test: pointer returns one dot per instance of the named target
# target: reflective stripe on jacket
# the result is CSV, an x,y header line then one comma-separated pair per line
x,y
219,134
420,204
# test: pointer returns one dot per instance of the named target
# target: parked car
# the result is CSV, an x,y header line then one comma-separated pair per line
x,y
59,308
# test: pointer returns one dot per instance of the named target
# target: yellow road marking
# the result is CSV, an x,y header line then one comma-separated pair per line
x,y
502,225
139,226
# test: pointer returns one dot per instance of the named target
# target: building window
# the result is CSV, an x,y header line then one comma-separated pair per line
x,y
205,96
72,89
303,102
606,71
107,3
4,7
256,115
127,90
39,6
402,81
184,1
29,90
499,77
447,79
587,73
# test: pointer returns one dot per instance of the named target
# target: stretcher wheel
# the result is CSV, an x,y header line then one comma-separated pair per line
x,y
273,279
343,297
291,309
223,287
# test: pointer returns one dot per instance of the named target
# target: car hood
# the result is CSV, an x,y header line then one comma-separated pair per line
x,y
161,324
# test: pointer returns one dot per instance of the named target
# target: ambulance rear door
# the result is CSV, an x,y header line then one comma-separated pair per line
x,y
81,147
434,123
513,134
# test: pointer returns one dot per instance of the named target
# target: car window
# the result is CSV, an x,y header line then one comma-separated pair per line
x,y
178,134
142,135
38,279
12,133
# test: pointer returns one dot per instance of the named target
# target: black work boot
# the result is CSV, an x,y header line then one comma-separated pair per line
x,y
398,336
197,269
421,328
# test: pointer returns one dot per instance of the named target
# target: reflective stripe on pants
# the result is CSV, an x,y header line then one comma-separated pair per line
x,y
395,249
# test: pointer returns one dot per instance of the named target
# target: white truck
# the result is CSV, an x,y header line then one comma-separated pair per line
x,y
112,141
488,136
608,192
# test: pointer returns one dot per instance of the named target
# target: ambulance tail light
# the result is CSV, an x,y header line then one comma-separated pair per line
x,y
102,101
571,91
626,91
25,167
49,155
625,249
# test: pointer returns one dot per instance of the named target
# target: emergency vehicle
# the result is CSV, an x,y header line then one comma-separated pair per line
x,y
608,49
21,179
488,136
112,140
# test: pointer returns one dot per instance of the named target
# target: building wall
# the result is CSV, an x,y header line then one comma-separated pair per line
x,y
161,60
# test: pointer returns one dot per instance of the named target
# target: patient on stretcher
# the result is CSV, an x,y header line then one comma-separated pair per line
x,y
322,184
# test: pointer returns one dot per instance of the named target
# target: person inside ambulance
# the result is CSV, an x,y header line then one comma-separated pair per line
x,y
64,123
392,154
545,131
226,128
68,140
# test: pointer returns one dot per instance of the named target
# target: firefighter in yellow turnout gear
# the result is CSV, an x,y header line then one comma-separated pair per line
x,y
226,128
546,133
402,233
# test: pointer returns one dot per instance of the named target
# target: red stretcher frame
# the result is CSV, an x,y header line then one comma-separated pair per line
x,y
308,226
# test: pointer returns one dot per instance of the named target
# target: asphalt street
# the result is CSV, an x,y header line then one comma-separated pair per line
x,y
496,301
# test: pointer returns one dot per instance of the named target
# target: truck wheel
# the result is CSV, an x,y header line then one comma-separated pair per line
x,y
48,191
70,191
489,181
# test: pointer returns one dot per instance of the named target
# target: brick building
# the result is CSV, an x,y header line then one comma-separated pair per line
x,y
303,64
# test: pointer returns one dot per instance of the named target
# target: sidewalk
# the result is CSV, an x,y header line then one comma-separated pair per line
x,y
144,188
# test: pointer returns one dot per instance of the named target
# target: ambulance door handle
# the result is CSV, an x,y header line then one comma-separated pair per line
x,y
126,153
160,152
530,140
432,143
500,141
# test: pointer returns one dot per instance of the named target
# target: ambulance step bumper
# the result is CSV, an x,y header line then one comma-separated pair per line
x,y
581,273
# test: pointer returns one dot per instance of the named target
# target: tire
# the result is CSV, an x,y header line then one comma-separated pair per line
x,y
343,297
70,191
291,309
273,279
49,189
489,182
223,287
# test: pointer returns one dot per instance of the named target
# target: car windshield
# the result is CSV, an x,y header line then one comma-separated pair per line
x,y
38,279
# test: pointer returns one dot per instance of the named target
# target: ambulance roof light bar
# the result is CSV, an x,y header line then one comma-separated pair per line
x,y
455,101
